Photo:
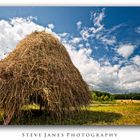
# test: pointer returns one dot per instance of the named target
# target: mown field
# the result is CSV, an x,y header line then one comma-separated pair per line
x,y
118,112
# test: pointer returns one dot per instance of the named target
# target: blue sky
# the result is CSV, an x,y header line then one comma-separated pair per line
x,y
103,42
70,15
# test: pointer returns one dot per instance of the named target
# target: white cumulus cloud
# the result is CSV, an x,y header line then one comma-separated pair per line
x,y
13,30
126,50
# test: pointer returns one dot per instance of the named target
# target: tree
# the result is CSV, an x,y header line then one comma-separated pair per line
x,y
112,98
94,96
102,97
106,98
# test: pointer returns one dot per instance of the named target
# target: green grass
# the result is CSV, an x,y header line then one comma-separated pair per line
x,y
98,113
129,114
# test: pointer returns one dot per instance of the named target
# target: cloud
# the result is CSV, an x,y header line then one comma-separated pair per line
x,y
79,23
98,77
93,31
76,40
130,78
14,30
63,34
99,74
137,30
51,26
102,75
107,77
114,28
126,50
136,60
98,31
97,18
108,40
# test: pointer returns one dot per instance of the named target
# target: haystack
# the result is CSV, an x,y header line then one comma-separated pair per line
x,y
40,70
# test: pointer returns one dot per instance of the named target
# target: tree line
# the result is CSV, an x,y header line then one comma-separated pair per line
x,y
105,96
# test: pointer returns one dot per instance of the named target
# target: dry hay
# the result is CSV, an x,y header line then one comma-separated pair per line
x,y
40,69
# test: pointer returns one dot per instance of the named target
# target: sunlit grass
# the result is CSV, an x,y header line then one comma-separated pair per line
x,y
130,111
31,106
122,112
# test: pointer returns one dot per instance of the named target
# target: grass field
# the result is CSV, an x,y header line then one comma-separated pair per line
x,y
120,112
123,112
